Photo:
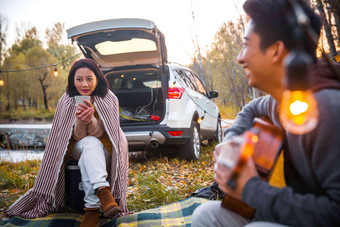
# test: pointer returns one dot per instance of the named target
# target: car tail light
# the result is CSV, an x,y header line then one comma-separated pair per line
x,y
175,133
175,92
154,117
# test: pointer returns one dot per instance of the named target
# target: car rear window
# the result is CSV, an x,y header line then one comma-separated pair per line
x,y
126,46
133,80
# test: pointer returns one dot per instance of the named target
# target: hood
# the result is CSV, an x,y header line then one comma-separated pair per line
x,y
325,75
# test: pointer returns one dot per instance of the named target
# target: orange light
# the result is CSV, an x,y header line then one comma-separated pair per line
x,y
298,111
1,82
55,73
247,148
199,120
255,139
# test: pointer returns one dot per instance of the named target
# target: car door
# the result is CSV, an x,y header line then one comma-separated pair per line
x,y
209,122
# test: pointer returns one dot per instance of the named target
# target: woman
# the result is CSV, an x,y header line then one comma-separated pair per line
x,y
89,133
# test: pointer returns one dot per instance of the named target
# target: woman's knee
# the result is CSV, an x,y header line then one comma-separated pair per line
x,y
91,143
88,140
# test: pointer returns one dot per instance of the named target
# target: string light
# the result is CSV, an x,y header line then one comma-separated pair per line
x,y
1,82
298,108
55,73
199,120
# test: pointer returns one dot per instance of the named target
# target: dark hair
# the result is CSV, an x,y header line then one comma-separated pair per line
x,y
102,86
270,23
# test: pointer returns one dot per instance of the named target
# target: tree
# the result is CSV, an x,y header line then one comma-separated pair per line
x,y
327,27
60,51
26,41
229,76
3,30
333,9
37,87
37,57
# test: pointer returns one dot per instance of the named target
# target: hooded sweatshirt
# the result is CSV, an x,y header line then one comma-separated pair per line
x,y
312,160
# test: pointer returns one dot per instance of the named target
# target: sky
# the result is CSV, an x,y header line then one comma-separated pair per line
x,y
174,18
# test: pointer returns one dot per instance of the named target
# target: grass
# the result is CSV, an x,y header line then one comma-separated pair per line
x,y
15,180
152,183
21,114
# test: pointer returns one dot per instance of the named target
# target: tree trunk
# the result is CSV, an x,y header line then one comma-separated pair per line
x,y
327,27
8,107
15,99
44,88
23,97
334,6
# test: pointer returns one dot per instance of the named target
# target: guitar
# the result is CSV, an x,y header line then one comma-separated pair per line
x,y
264,153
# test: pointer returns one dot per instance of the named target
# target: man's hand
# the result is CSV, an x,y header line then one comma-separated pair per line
x,y
84,112
223,173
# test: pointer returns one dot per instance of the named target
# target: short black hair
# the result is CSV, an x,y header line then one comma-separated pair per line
x,y
270,23
102,86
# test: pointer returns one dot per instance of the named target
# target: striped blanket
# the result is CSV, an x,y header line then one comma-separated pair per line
x,y
173,214
48,193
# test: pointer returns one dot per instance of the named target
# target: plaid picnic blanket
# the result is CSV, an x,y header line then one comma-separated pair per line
x,y
173,214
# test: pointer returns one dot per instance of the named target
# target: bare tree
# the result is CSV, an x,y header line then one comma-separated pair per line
x,y
327,27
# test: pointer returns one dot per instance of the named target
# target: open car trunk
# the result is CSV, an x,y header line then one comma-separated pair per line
x,y
140,93
131,53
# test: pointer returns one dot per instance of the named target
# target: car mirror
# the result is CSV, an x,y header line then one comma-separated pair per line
x,y
213,94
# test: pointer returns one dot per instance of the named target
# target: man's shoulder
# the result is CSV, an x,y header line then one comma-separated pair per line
x,y
266,102
328,102
328,96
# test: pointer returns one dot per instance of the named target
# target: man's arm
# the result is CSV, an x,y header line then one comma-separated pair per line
x,y
317,157
244,119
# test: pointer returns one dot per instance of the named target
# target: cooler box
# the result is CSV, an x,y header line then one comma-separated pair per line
x,y
74,186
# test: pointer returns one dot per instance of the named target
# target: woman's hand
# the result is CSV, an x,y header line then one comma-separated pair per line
x,y
84,112
223,173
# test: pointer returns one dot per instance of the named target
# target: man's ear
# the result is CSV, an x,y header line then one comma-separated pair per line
x,y
278,51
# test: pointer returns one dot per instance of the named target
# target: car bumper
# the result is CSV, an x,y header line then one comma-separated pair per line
x,y
139,137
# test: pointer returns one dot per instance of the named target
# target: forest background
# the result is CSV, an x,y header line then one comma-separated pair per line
x,y
33,94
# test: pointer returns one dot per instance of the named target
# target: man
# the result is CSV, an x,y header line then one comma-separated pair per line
x,y
312,160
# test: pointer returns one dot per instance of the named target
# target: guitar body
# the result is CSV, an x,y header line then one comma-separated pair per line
x,y
265,154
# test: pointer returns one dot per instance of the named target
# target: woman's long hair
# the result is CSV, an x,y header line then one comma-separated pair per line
x,y
102,86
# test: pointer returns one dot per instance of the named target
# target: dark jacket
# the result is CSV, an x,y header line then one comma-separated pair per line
x,y
312,161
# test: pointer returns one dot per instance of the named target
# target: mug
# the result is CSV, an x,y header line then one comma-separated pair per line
x,y
230,152
81,98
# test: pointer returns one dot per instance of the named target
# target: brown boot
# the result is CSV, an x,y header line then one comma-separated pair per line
x,y
91,218
109,205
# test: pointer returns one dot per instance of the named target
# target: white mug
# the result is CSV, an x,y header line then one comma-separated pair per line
x,y
81,98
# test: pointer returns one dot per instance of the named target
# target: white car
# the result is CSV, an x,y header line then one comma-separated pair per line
x,y
161,104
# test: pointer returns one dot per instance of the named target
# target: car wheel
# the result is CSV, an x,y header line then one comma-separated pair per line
x,y
218,137
219,133
192,149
